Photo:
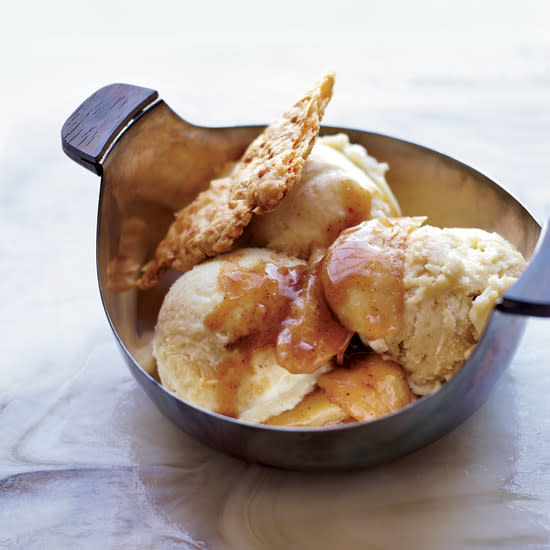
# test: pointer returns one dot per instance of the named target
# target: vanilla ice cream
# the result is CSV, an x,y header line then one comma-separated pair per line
x,y
442,286
215,342
341,185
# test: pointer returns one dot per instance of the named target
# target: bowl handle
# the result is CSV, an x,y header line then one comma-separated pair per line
x,y
530,295
93,127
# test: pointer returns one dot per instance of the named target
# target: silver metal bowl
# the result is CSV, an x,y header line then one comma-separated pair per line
x,y
145,153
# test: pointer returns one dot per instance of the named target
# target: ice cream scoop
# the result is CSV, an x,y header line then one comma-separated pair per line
x,y
341,185
230,334
420,296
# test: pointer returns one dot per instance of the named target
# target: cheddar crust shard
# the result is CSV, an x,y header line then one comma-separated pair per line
x,y
269,168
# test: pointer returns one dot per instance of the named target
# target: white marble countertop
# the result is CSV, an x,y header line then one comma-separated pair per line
x,y
86,461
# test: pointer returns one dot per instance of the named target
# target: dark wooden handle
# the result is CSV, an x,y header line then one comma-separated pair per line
x,y
91,129
530,295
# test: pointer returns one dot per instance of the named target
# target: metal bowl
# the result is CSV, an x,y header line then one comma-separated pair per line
x,y
155,150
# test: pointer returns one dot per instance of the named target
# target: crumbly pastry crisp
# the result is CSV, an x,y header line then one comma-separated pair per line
x,y
269,168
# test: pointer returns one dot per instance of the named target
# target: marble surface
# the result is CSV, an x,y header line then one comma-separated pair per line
x,y
86,461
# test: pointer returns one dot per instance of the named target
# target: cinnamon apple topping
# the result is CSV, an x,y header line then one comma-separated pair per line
x,y
278,308
363,275
367,388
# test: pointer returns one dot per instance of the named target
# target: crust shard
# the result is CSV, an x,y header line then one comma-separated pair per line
x,y
271,165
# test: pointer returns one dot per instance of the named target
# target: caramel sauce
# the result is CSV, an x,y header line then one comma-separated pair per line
x,y
367,388
314,410
362,276
230,373
267,306
310,335
360,202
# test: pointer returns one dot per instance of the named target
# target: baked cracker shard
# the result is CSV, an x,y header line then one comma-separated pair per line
x,y
271,165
